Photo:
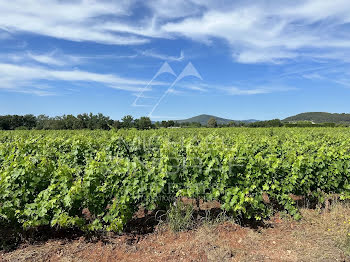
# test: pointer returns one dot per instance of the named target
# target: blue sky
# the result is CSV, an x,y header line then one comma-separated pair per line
x,y
234,59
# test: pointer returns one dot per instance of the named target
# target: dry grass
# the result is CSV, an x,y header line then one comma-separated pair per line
x,y
318,236
214,245
329,229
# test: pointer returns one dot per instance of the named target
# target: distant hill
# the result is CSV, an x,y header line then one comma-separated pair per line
x,y
203,119
320,117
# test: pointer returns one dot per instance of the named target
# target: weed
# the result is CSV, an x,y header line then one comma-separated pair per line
x,y
180,217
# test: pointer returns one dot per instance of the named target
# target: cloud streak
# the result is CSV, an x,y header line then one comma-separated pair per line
x,y
153,54
239,91
255,31
70,20
24,78
270,31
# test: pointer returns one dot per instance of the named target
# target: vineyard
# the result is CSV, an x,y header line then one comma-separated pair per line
x,y
97,180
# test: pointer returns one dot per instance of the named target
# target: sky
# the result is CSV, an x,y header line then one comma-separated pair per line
x,y
175,59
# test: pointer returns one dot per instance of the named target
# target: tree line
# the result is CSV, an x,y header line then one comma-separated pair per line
x,y
99,121
273,123
71,122
83,121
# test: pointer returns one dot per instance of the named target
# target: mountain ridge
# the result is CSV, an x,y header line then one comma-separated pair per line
x,y
320,117
315,117
203,120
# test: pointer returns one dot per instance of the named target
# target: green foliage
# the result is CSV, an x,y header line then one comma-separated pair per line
x,y
128,121
144,123
268,123
96,180
212,122
12,122
70,122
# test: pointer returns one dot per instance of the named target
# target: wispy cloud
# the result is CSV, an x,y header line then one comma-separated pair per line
x,y
330,75
238,89
164,57
15,77
58,58
105,57
264,56
233,90
54,58
255,31
313,76
195,87
270,31
71,20
35,91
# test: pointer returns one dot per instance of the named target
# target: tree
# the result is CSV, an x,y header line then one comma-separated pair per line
x,y
117,124
268,123
232,124
171,123
212,122
69,121
5,122
128,121
29,121
144,123
164,123
42,122
102,122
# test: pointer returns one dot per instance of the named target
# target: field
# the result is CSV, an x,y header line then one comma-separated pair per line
x,y
96,181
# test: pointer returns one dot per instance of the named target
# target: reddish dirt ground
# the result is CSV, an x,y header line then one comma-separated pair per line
x,y
317,237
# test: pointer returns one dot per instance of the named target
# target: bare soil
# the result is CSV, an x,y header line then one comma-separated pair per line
x,y
318,236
